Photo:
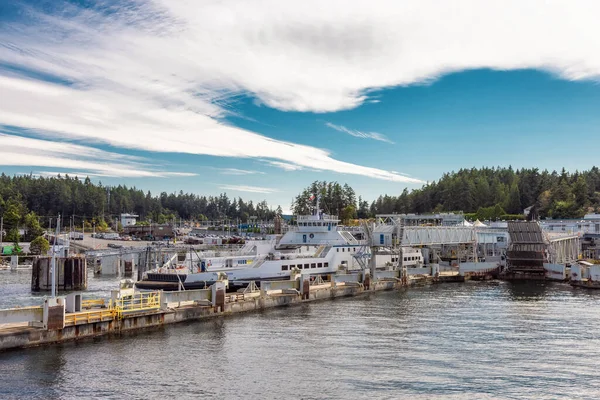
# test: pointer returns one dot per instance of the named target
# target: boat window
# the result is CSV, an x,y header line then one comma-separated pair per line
x,y
292,267
300,266
305,266
320,265
343,249
284,267
313,265
405,259
338,249
326,265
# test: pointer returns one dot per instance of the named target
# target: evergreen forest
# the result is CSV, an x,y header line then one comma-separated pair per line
x,y
482,193
28,202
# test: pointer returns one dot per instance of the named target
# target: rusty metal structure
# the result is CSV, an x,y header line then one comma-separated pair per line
x,y
527,252
530,248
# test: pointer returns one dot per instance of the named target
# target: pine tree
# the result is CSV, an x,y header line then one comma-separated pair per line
x,y
513,205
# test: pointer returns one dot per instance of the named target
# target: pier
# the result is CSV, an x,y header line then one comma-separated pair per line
x,y
69,318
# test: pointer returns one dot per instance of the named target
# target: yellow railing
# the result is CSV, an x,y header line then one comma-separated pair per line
x,y
138,302
88,317
89,303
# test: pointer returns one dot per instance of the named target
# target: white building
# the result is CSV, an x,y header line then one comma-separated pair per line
x,y
128,219
589,224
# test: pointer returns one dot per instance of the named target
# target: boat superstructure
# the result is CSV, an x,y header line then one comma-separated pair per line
x,y
317,244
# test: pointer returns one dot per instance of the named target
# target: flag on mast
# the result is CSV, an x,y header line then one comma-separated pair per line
x,y
312,197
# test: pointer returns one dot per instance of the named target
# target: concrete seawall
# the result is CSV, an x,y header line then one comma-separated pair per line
x,y
90,324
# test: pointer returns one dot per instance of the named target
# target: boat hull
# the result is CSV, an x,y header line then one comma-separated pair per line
x,y
167,282
586,284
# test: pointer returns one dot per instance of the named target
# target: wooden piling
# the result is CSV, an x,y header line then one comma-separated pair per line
x,y
71,274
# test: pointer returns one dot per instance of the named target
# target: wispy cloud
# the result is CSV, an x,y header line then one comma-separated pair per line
x,y
148,75
250,189
284,165
22,151
235,171
125,90
359,134
72,174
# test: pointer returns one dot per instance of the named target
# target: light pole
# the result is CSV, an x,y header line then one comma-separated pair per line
x,y
53,270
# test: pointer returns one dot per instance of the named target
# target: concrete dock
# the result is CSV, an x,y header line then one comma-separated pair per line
x,y
70,318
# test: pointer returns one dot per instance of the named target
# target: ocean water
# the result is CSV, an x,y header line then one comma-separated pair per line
x,y
492,340
15,288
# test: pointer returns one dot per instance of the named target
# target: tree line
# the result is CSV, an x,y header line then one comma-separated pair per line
x,y
26,200
484,193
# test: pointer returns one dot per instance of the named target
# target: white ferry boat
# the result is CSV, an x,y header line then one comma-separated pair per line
x,y
316,246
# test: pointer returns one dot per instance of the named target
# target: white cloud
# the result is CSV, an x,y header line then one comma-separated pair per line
x,y
21,151
284,165
244,188
235,171
158,75
72,174
359,134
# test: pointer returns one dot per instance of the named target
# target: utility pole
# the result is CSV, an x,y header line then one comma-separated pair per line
x,y
1,232
53,271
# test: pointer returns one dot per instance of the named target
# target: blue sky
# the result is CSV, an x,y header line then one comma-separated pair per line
x,y
260,99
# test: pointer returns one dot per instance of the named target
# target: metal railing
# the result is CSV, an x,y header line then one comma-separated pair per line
x,y
88,317
90,303
138,302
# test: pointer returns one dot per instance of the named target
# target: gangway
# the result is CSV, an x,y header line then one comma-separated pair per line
x,y
391,231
